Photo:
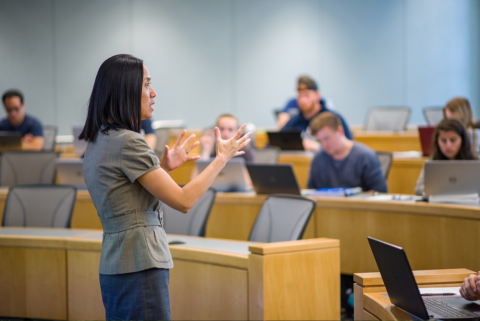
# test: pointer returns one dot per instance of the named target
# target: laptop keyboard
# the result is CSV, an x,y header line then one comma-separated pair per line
x,y
443,309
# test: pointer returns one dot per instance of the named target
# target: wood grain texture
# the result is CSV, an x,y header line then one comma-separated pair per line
x,y
84,295
380,306
293,246
34,283
302,285
201,291
368,316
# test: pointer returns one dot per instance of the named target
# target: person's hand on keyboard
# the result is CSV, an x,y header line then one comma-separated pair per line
x,y
470,289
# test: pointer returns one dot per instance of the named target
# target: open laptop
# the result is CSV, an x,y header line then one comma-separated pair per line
x,y
10,141
232,177
79,146
403,290
425,133
452,177
70,172
273,179
291,140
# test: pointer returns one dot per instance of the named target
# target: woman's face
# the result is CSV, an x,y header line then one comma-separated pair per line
x,y
147,95
449,143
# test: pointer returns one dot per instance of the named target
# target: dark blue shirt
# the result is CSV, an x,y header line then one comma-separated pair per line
x,y
30,125
147,126
300,123
360,168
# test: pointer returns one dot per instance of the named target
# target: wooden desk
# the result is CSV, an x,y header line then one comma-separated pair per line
x,y
390,142
212,279
379,141
434,235
371,304
404,174
33,272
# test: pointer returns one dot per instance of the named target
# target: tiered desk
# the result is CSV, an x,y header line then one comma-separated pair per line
x,y
53,274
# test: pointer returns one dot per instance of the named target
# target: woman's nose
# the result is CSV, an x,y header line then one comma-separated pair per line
x,y
153,94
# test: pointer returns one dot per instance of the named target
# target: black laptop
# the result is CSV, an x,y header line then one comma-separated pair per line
x,y
273,179
403,290
10,141
291,140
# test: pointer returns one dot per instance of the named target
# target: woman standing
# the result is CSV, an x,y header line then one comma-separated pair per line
x,y
127,182
451,142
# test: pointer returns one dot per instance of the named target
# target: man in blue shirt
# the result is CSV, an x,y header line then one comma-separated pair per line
x,y
342,162
18,121
310,104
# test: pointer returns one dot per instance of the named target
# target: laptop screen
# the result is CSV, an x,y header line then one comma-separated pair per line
x,y
398,277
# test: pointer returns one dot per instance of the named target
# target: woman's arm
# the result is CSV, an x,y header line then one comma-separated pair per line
x,y
162,186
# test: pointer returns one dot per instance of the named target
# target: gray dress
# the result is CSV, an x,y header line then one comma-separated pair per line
x,y
133,237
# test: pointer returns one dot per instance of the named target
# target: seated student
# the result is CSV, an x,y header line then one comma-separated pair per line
x,y
150,135
460,109
228,125
342,162
310,104
18,121
291,109
451,142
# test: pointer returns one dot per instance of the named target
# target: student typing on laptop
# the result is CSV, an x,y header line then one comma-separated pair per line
x,y
451,142
18,121
342,162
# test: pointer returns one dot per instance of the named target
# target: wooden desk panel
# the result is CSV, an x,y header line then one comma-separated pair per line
x,y
404,174
390,142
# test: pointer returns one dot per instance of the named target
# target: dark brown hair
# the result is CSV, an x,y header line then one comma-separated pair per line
x,y
454,125
325,119
116,99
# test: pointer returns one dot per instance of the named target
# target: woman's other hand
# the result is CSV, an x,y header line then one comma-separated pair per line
x,y
227,149
172,158
470,288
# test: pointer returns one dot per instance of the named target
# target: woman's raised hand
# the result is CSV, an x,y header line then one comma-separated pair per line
x,y
172,158
227,149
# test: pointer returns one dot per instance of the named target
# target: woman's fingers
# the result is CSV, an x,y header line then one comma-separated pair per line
x,y
180,138
193,158
244,138
188,140
239,132
189,149
240,153
471,279
244,144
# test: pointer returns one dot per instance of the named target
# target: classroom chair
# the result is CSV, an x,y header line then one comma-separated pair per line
x,y
385,159
267,155
433,115
27,168
282,218
39,206
387,119
49,133
192,223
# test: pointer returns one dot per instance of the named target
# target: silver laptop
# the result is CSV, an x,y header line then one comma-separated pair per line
x,y
452,177
79,146
70,172
232,178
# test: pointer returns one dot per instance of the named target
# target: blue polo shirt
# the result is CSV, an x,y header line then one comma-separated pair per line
x,y
300,123
147,126
30,125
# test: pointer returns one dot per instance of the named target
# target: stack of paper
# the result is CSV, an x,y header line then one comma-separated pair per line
x,y
461,199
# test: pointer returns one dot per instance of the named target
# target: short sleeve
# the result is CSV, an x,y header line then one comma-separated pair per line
x,y
36,129
137,157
